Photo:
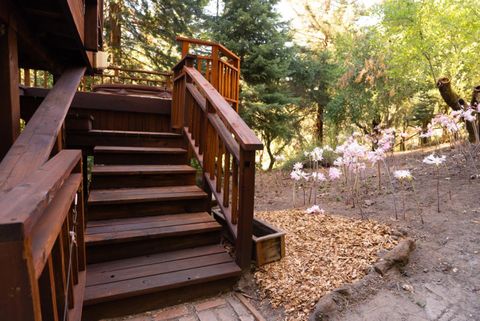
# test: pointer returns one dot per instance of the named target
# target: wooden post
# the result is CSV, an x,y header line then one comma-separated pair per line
x,y
185,48
9,92
214,77
245,210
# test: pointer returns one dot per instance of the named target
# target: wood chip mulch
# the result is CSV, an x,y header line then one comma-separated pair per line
x,y
322,253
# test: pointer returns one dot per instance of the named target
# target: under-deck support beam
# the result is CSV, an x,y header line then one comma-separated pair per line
x,y
9,92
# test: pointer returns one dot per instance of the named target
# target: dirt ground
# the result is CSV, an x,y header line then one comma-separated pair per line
x,y
443,276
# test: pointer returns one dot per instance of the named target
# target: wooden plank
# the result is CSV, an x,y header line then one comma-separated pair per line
x,y
75,314
9,92
148,270
23,205
138,150
33,146
161,282
129,224
148,194
102,101
150,233
141,169
48,295
48,228
117,265
19,296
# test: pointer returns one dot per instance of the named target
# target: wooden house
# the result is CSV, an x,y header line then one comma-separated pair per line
x,y
101,211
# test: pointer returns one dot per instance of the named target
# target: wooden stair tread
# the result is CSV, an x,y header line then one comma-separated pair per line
x,y
136,276
133,229
147,194
141,169
132,133
138,150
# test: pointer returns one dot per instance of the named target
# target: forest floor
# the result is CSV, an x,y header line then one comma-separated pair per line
x,y
443,276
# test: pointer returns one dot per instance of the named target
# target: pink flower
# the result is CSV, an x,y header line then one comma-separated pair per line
x,y
315,209
402,174
296,175
297,166
434,160
319,176
334,173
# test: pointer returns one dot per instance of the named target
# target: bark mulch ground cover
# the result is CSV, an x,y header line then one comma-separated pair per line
x,y
322,253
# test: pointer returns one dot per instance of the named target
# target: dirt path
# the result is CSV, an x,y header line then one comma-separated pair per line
x,y
444,272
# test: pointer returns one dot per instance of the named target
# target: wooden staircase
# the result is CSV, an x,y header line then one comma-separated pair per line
x,y
150,240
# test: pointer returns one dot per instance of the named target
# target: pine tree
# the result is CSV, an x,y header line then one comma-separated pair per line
x,y
253,30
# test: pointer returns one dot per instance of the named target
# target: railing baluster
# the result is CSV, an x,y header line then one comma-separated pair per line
x,y
59,272
219,166
48,294
226,179
234,208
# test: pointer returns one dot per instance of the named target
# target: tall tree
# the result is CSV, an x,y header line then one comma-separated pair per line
x,y
253,29
142,32
311,77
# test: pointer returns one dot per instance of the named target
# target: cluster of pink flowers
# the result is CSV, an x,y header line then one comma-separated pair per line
x,y
353,155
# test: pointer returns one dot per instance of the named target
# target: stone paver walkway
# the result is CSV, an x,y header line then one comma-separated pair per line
x,y
226,307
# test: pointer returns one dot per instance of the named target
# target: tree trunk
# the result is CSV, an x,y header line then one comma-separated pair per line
x,y
319,124
268,145
115,21
452,99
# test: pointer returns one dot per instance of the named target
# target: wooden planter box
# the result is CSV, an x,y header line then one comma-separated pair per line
x,y
268,242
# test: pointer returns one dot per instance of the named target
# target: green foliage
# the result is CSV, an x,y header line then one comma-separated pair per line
x,y
253,30
149,28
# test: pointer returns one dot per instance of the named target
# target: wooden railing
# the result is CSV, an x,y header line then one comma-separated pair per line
x,y
224,146
110,75
217,64
42,250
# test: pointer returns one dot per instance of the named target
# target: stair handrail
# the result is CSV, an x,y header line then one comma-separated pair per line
x,y
225,147
42,133
42,243
220,66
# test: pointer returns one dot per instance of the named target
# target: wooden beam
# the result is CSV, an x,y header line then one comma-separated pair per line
x,y
11,15
33,146
9,92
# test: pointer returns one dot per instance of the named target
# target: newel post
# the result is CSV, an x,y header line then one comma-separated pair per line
x,y
245,202
179,92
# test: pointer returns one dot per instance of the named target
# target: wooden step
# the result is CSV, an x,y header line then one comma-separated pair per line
x,y
127,176
143,283
126,155
97,137
147,201
121,238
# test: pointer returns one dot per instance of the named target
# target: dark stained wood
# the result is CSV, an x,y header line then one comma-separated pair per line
x,y
139,150
116,103
12,15
9,93
134,232
33,195
148,194
245,200
47,293
141,169
33,146
93,30
90,139
115,251
157,300
127,176
245,136
46,230
19,296
161,277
